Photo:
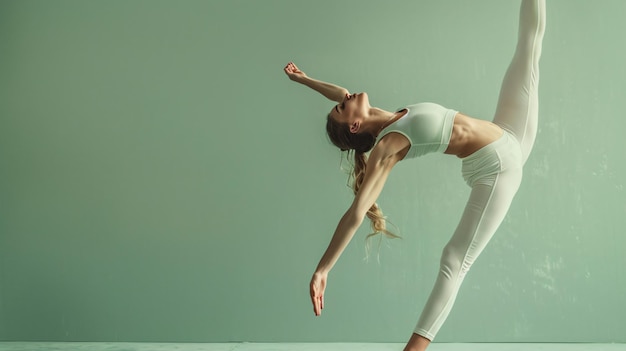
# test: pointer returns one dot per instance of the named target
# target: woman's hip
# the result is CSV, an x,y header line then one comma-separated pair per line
x,y
502,155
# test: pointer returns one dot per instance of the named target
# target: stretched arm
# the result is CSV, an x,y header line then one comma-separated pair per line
x,y
330,91
378,169
379,165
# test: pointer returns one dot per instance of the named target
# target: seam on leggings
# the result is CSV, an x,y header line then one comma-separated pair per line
x,y
532,64
482,216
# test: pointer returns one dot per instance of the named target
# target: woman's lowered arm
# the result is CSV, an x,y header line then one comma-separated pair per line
x,y
378,167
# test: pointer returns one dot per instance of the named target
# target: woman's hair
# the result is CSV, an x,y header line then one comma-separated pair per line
x,y
340,135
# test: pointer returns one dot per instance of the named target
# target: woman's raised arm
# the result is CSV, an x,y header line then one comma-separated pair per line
x,y
330,91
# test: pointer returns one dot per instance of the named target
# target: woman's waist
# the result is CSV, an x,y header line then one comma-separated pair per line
x,y
471,134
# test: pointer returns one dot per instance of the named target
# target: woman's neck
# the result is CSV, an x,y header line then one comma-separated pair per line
x,y
379,119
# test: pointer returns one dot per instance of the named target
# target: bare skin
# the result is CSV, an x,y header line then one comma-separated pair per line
x,y
468,135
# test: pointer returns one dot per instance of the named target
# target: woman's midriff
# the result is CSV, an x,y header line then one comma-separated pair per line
x,y
471,134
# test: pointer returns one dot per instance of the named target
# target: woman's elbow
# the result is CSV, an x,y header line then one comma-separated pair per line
x,y
356,214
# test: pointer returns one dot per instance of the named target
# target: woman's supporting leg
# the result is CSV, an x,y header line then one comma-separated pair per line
x,y
518,104
489,202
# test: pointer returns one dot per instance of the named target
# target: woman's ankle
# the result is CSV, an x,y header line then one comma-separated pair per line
x,y
417,343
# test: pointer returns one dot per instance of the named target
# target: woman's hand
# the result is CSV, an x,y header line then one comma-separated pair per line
x,y
318,284
293,72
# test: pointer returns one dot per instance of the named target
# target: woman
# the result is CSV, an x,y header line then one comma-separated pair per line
x,y
492,153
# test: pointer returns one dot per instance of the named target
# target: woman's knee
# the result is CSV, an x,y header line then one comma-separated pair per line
x,y
451,261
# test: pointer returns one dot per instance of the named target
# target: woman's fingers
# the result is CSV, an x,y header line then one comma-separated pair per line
x,y
318,305
317,299
292,68
317,295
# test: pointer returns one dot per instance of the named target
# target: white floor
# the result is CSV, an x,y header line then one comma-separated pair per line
x,y
105,346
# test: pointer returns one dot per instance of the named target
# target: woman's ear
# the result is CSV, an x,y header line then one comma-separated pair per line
x,y
355,126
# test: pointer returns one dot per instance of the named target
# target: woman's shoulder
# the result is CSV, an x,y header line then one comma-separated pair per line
x,y
392,144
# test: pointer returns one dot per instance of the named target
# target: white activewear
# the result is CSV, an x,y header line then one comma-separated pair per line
x,y
494,172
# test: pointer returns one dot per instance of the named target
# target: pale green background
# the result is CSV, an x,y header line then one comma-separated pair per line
x,y
162,180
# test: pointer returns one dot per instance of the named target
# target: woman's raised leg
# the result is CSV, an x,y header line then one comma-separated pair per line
x,y
518,104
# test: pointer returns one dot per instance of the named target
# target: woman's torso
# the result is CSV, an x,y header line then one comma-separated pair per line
x,y
428,128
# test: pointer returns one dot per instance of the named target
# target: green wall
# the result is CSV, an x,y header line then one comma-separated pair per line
x,y
162,180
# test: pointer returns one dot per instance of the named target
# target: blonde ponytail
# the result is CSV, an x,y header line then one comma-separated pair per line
x,y
377,219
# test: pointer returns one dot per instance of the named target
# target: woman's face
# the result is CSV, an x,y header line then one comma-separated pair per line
x,y
352,110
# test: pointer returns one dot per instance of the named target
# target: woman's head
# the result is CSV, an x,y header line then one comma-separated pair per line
x,y
344,124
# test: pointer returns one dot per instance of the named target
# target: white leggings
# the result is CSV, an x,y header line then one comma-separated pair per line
x,y
494,172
